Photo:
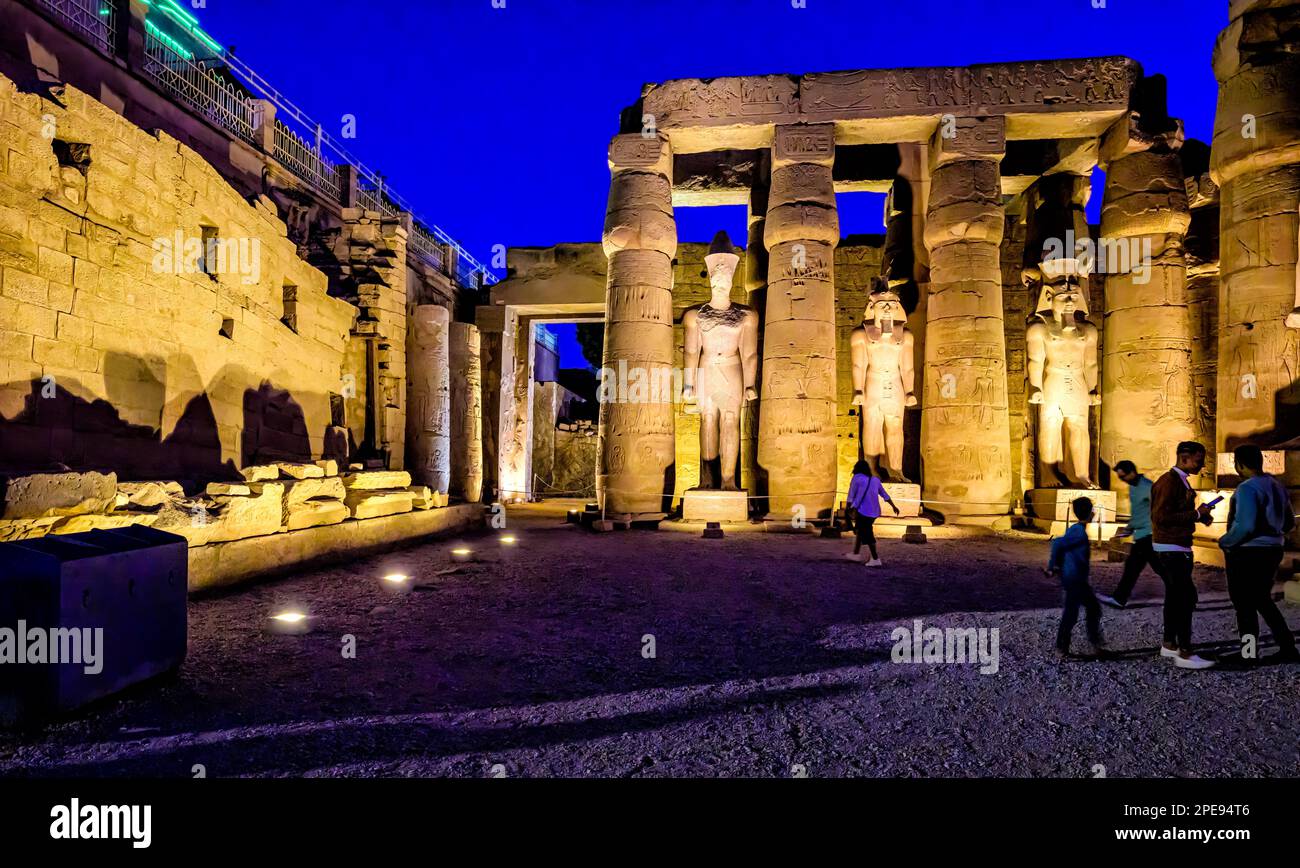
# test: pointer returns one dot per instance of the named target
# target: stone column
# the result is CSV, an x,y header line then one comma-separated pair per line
x,y
1148,404
1256,163
755,284
965,454
637,446
796,426
428,420
466,413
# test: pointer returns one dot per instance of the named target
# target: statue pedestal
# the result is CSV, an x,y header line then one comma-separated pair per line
x,y
1053,504
702,504
906,495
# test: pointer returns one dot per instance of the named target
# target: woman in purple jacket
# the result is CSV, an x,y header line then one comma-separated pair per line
x,y
865,492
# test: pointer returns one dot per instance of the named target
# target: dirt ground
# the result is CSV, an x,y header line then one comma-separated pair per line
x,y
771,657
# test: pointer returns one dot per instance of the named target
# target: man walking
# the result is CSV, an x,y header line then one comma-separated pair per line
x,y
1069,558
1174,515
1258,519
1139,528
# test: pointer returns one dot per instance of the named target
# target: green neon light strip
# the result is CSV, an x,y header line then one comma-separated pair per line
x,y
190,23
186,15
168,41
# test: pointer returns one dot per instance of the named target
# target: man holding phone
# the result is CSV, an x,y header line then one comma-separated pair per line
x,y
1174,515
1139,527
1258,520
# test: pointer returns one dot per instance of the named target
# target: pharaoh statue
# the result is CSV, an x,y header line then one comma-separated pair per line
x,y
720,366
1062,350
883,380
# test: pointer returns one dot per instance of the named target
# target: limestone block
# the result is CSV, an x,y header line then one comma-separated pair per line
x,y
12,530
314,513
261,473
374,480
803,144
230,518
421,497
300,471
711,505
371,503
329,466
303,490
1055,503
803,183
907,496
80,523
229,489
149,494
56,494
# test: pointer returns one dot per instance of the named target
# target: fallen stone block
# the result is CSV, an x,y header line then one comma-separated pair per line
x,y
314,513
148,494
301,471
329,465
229,489
375,480
261,473
42,495
82,523
372,504
26,528
421,497
229,518
303,490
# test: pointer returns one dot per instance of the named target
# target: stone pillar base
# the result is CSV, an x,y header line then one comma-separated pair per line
x,y
1053,504
1291,591
701,504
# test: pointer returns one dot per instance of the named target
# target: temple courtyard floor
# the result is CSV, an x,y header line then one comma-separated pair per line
x,y
643,653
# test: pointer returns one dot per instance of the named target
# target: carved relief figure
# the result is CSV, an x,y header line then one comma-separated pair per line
x,y
883,380
1062,351
721,364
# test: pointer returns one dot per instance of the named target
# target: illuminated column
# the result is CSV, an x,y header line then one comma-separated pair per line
x,y
1148,404
466,413
1256,162
428,418
634,477
796,428
965,445
755,277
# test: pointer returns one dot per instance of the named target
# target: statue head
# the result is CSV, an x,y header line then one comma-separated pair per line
x,y
884,304
721,262
1063,300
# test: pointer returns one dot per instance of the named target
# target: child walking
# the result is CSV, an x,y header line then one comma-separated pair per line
x,y
1070,559
865,492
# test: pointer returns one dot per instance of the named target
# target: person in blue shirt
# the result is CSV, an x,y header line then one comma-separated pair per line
x,y
1139,528
1259,517
865,494
1070,557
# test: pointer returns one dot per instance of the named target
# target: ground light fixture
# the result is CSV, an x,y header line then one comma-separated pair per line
x,y
396,583
462,554
290,622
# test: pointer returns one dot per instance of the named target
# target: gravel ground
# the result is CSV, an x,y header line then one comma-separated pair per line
x,y
771,658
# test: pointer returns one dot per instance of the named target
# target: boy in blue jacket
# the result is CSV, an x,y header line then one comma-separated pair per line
x,y
1070,559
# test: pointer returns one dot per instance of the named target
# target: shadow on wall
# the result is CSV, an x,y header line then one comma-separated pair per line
x,y
56,428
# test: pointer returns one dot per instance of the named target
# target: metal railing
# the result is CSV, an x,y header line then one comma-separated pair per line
x,y
299,157
200,89
94,19
422,243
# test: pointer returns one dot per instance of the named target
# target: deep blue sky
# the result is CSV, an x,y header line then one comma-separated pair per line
x,y
494,122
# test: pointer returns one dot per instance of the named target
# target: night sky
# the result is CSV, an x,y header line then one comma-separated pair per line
x,y
494,122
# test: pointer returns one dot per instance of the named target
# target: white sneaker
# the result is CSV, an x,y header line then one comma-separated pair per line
x,y
1192,662
1168,652
859,558
874,562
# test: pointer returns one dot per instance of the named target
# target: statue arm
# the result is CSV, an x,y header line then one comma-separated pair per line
x,y
1036,350
749,352
907,370
691,358
1090,375
858,351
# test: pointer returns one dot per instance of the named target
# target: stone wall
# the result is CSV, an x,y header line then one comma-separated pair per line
x,y
109,358
575,461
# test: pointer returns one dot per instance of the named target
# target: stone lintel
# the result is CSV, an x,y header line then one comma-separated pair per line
x,y
744,106
969,138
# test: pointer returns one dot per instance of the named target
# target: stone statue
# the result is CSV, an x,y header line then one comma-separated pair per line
x,y
883,380
721,365
1062,349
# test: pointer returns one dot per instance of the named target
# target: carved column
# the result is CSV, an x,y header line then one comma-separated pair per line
x,y
634,476
466,413
796,439
965,454
1148,405
428,418
755,284
1256,163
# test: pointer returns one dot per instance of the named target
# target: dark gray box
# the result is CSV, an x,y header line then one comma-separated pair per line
x,y
129,583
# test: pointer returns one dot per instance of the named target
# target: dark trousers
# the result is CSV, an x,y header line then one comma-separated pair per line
x,y
862,524
1140,556
1251,570
1180,597
1079,594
